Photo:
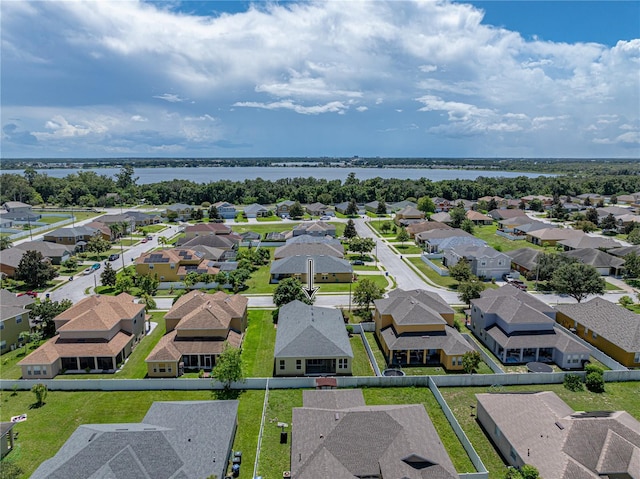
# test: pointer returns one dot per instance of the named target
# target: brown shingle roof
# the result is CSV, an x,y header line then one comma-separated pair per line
x,y
98,313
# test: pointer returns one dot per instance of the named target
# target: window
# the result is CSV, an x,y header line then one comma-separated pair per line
x,y
343,363
173,266
325,277
500,262
513,454
594,335
586,331
1,326
18,319
282,365
483,263
636,358
3,344
298,363
151,266
497,431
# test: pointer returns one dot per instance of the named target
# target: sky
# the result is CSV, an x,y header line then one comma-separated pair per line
x,y
515,79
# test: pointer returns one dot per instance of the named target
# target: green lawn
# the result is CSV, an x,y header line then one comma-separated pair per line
x,y
618,396
365,267
444,281
376,224
361,365
377,351
268,219
153,228
52,219
408,248
135,367
246,440
488,233
126,242
258,344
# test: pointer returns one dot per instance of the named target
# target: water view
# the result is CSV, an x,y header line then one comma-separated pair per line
x,y
212,173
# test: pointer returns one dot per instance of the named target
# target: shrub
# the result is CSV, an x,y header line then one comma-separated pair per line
x,y
201,373
349,329
573,382
595,382
529,472
457,324
593,368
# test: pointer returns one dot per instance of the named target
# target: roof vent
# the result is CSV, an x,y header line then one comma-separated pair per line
x,y
560,426
337,416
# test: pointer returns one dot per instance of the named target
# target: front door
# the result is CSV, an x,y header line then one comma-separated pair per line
x,y
207,361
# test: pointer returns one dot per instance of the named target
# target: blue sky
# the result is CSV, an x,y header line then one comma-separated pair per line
x,y
334,78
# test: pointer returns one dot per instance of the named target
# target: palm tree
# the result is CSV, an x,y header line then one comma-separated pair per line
x,y
115,229
162,240
5,243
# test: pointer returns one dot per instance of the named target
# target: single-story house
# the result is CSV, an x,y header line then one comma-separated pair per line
x,y
503,214
585,241
539,429
519,328
415,228
335,435
176,439
485,261
226,242
226,210
198,325
143,219
17,207
71,236
256,211
435,245
205,229
326,269
14,318
624,251
314,228
372,207
609,327
319,209
416,328
524,260
314,249
95,335
311,340
441,217
551,236
606,264
56,253
478,218
342,208
10,260
402,204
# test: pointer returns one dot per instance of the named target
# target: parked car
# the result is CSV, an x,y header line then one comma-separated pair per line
x,y
95,266
149,237
114,256
144,240
325,218
88,271
357,262
518,284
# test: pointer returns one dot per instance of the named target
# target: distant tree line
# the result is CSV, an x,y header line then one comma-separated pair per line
x,y
87,188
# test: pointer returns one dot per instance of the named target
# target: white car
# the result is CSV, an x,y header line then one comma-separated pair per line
x,y
88,271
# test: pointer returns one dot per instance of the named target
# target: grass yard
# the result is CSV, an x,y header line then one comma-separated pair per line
x,y
617,396
134,367
361,365
407,248
488,233
269,219
258,344
365,267
377,350
126,242
412,395
153,228
444,281
246,440
52,219
376,226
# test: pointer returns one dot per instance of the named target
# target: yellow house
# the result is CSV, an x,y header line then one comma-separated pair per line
x,y
408,213
198,326
173,264
612,329
14,319
416,328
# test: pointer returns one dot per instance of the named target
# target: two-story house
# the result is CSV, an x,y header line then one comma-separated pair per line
x,y
14,318
416,328
95,335
198,326
226,210
485,261
284,207
172,265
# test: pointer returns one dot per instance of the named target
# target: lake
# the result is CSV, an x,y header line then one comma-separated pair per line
x,y
206,174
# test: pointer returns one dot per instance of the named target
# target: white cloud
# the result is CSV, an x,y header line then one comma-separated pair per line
x,y
139,118
170,97
331,107
362,108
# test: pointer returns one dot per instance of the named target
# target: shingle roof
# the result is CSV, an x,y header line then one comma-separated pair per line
x,y
449,340
526,298
504,214
308,239
414,307
7,298
47,249
255,208
561,444
556,234
552,338
457,241
512,310
321,264
476,216
367,441
590,242
525,257
219,305
314,249
311,331
178,440
442,217
427,226
411,211
11,256
616,324
624,251
216,241
595,257
97,313
73,232
476,251
216,228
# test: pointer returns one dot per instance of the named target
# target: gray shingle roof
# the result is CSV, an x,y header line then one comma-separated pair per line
x,y
321,264
414,307
314,249
458,241
625,250
7,298
449,340
525,257
174,440
367,441
590,242
562,444
73,232
476,251
48,249
508,290
311,331
595,257
614,323
308,239
11,257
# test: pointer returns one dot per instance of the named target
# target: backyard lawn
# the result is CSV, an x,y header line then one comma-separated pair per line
x,y
444,281
278,226
52,219
488,233
361,365
258,344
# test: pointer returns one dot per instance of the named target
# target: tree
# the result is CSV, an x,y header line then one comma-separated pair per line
x,y
108,275
70,264
40,390
382,208
467,225
586,226
529,472
350,230
625,301
365,292
547,263
385,227
228,366
426,205
97,245
469,290
634,236
25,338
290,289
632,265
402,235
238,279
124,284
592,215
125,179
148,284
492,204
352,208
361,245
296,210
461,271
34,270
522,205
196,214
578,280
587,201
44,312
458,215
115,229
609,223
594,380
613,200
172,215
536,205
5,243
214,214
470,361
148,301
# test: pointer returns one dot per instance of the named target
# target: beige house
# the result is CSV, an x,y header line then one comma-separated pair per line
x,y
540,429
407,215
205,229
551,236
95,335
174,264
311,341
416,328
198,326
14,319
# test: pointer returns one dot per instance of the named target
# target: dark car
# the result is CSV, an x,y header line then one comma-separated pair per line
x,y
357,262
518,284
113,257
